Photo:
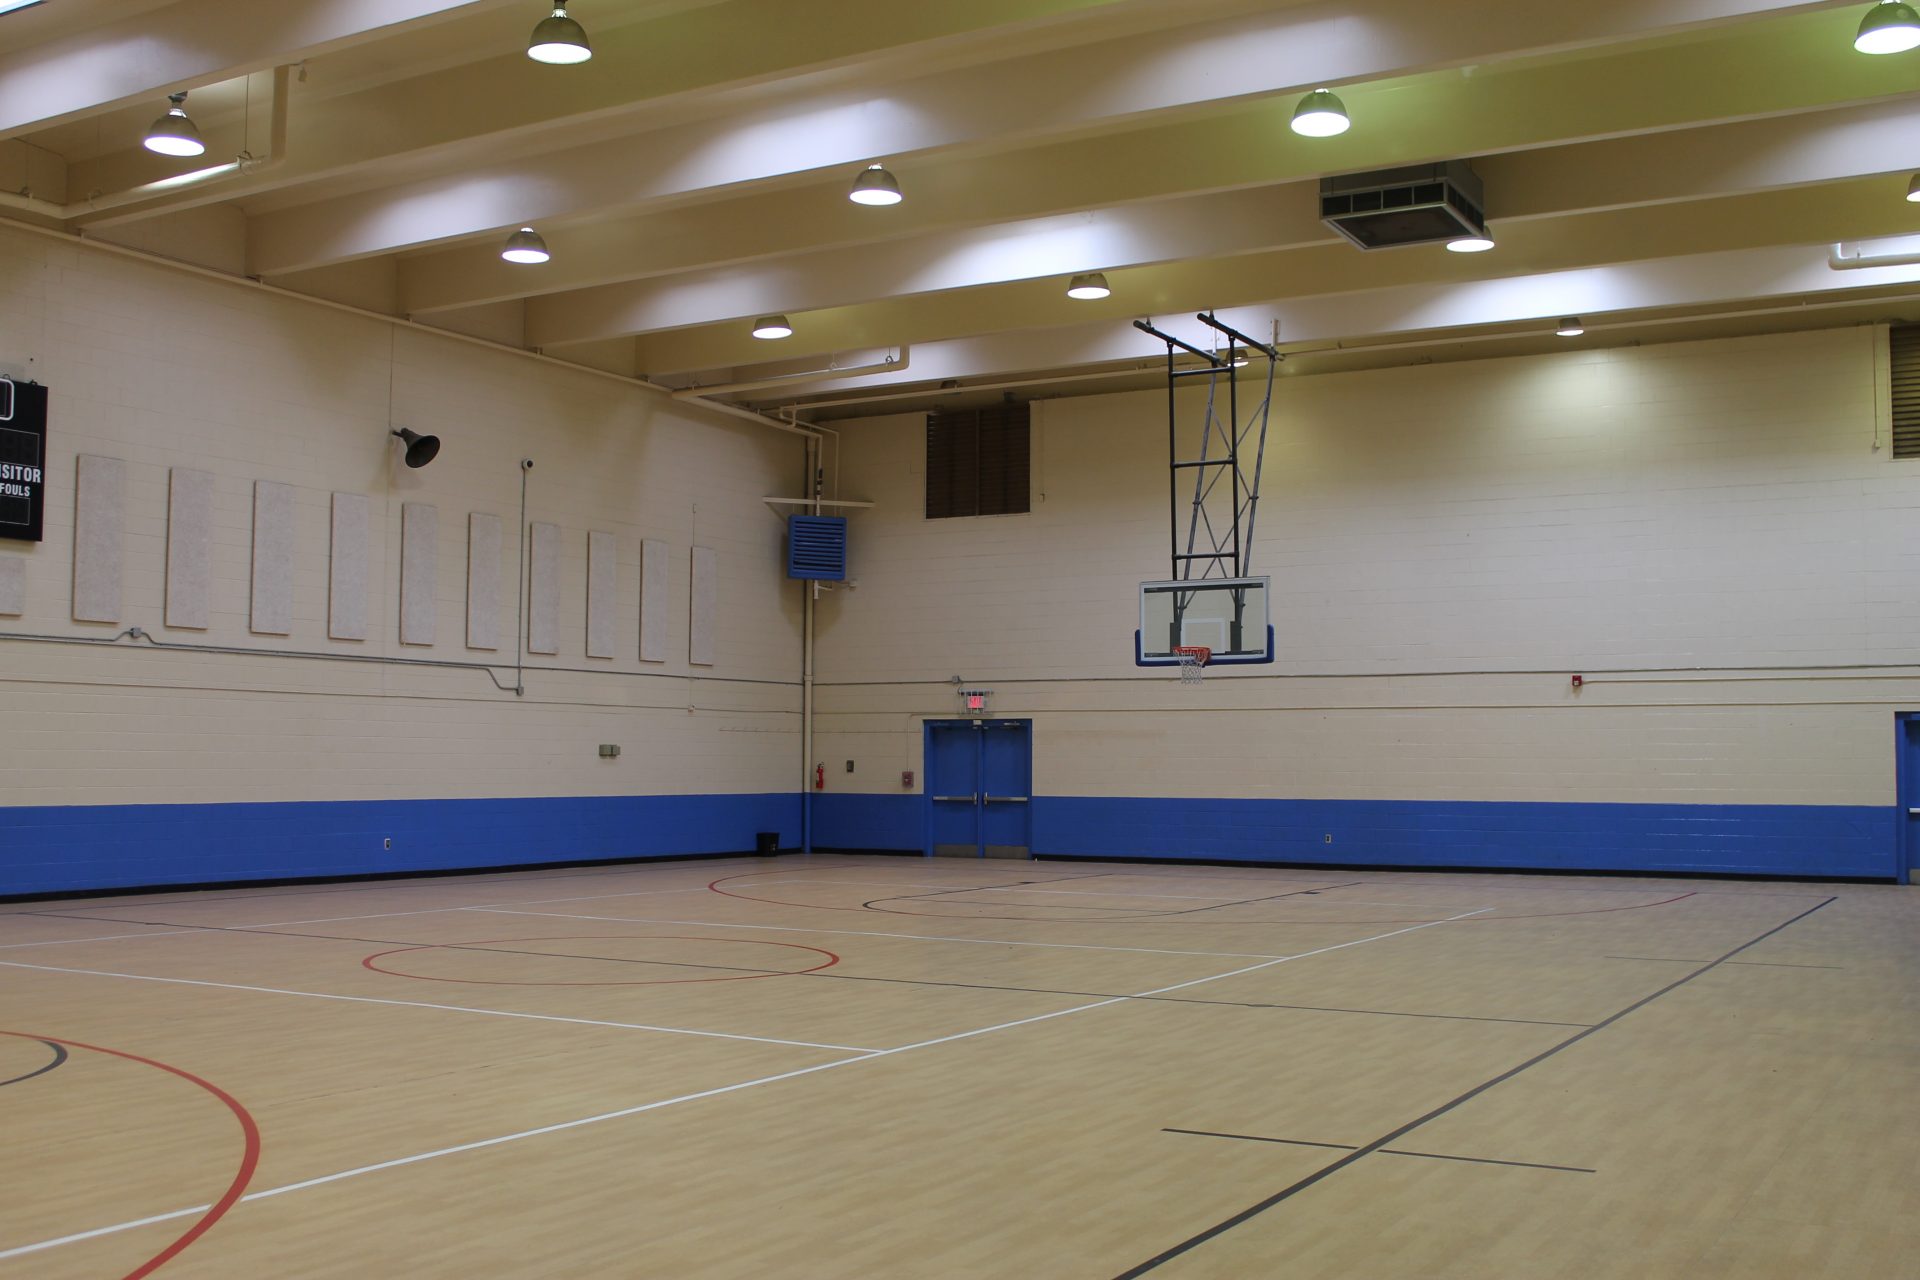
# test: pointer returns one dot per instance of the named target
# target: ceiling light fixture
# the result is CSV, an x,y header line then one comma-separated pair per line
x,y
1471,244
772,327
525,245
1889,27
559,40
1570,327
875,186
1913,189
173,134
1088,286
9,6
1320,115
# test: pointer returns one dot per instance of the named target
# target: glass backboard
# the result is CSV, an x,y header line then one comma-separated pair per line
x,y
1227,615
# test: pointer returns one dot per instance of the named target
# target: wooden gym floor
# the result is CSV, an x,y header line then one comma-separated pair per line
x,y
879,1067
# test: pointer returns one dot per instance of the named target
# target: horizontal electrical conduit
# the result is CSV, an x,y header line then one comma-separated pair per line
x,y
892,364
155,191
139,633
1840,260
1876,670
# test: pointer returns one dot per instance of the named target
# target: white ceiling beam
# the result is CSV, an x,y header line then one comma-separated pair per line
x,y
951,193
1102,239
643,68
189,43
1203,67
1740,280
1799,215
1688,165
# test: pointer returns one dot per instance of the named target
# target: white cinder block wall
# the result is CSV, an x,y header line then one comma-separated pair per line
x,y
162,369
1448,544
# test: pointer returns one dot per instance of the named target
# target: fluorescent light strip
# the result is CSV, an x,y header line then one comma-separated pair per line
x,y
8,6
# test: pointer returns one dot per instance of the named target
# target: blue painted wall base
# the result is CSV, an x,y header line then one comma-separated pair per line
x,y
77,847
1772,840
81,847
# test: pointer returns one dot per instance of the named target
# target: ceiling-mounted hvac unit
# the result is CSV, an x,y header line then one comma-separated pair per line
x,y
1422,204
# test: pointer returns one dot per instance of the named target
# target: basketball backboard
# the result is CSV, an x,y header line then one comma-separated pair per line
x,y
1226,615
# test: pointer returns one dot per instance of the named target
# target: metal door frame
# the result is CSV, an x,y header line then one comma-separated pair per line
x,y
979,804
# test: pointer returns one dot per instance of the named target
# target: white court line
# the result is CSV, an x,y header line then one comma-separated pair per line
x,y
420,1004
866,933
865,1056
963,888
105,937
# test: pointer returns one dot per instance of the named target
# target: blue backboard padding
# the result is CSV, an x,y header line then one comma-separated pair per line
x,y
45,849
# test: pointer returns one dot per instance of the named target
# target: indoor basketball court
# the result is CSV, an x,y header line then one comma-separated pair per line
x,y
1080,639
835,1066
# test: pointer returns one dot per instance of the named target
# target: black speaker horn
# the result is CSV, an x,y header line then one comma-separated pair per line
x,y
420,449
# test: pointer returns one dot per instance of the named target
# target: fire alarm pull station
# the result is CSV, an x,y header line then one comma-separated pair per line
x,y
906,779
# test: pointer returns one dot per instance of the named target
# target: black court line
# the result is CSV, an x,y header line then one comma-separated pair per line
x,y
59,1059
406,880
1272,897
1285,1193
1385,1151
837,977
974,888
1765,964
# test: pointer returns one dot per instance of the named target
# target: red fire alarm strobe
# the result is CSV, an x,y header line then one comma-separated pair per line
x,y
1578,681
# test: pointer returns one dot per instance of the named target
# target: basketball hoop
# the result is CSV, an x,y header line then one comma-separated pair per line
x,y
1193,662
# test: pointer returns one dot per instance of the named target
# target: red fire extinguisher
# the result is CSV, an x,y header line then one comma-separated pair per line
x,y
820,777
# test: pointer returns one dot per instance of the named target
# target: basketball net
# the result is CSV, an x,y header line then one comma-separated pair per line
x,y
1193,662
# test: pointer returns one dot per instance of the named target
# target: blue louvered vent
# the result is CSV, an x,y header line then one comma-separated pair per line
x,y
817,547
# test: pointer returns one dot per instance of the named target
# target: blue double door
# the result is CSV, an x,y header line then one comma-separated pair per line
x,y
979,788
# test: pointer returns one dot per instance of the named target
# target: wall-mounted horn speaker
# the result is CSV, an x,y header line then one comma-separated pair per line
x,y
420,449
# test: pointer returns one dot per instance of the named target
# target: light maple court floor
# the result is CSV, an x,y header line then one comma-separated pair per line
x,y
882,1067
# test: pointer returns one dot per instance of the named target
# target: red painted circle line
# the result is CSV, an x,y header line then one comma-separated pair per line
x,y
249,1159
829,962
1134,919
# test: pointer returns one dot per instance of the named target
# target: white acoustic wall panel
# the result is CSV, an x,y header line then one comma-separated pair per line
x,y
272,613
13,586
543,590
703,608
603,564
99,537
419,570
654,627
347,568
483,581
189,548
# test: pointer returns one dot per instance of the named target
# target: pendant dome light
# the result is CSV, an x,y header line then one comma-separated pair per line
x,y
173,134
1913,189
1471,244
1570,328
1889,27
770,328
875,186
525,245
559,40
1321,115
1088,286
